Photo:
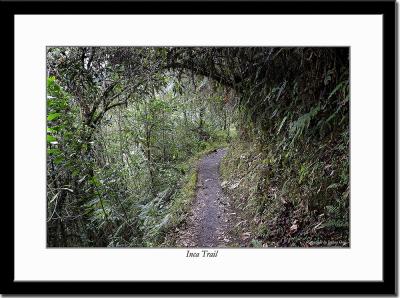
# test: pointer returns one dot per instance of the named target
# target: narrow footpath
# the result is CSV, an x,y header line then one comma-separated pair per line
x,y
212,217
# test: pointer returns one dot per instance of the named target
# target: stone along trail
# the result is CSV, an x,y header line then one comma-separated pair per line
x,y
211,218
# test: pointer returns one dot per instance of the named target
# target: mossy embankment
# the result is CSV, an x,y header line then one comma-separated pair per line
x,y
288,199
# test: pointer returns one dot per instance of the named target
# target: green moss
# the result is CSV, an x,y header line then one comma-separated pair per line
x,y
182,200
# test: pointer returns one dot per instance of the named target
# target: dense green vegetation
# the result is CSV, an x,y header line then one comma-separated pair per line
x,y
127,126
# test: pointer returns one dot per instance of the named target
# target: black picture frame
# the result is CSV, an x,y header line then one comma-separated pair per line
x,y
385,8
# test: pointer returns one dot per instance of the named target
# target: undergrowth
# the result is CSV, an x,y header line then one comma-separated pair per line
x,y
291,158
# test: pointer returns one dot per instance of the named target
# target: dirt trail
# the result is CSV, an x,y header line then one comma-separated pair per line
x,y
212,217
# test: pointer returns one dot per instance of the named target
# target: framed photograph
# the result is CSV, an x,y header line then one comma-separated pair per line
x,y
200,147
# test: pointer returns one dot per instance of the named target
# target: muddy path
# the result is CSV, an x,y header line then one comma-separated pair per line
x,y
212,216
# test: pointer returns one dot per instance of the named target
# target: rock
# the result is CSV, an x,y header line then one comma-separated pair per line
x,y
233,186
246,235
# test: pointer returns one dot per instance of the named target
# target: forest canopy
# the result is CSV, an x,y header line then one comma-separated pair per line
x,y
127,127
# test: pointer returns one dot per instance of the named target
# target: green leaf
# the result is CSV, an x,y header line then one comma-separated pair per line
x,y
53,116
51,80
51,139
58,160
53,151
334,185
335,90
283,122
54,197
256,243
